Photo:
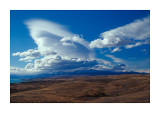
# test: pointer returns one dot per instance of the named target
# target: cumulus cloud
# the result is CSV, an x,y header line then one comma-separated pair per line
x,y
130,35
23,71
30,52
27,59
28,55
58,63
57,49
54,63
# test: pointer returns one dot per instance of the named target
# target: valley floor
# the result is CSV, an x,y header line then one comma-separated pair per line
x,y
85,89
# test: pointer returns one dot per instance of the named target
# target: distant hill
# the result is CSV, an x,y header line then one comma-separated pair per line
x,y
90,72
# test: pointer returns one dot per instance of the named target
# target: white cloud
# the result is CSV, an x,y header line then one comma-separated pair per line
x,y
101,67
28,55
139,30
51,36
115,59
54,63
58,63
23,71
76,39
133,45
68,44
58,50
27,59
30,52
116,49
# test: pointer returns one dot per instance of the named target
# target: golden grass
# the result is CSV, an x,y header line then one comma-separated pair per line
x,y
90,89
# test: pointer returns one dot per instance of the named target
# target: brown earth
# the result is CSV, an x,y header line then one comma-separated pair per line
x,y
86,89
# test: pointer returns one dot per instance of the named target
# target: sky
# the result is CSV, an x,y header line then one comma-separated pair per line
x,y
51,41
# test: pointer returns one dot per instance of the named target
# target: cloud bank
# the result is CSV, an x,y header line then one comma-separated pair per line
x,y
58,49
128,36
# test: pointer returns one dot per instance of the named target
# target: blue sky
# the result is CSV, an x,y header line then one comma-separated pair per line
x,y
49,41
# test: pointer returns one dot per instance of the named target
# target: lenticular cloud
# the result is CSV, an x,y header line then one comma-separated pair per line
x,y
52,37
58,49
